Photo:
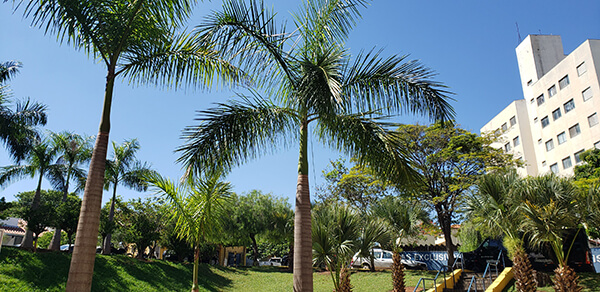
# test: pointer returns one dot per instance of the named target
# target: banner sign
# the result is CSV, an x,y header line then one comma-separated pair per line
x,y
596,258
435,260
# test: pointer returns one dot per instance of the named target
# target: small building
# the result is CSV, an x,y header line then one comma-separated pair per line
x,y
12,231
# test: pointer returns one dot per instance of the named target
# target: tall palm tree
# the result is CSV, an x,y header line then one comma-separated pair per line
x,y
197,205
334,239
139,40
74,151
41,162
552,206
17,127
312,80
403,219
123,169
495,207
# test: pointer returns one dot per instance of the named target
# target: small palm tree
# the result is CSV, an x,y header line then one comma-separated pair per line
x,y
311,80
40,161
495,207
552,205
138,40
17,127
123,169
335,230
74,150
197,205
403,219
373,232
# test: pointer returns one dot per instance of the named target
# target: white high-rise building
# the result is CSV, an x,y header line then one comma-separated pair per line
x,y
559,115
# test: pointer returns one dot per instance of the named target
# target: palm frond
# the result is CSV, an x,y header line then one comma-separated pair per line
x,y
9,174
368,139
8,70
233,133
394,84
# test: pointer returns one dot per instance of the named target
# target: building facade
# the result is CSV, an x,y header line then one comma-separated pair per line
x,y
558,118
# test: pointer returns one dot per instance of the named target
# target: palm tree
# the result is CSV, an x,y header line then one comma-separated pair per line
x,y
372,232
40,161
552,206
495,208
74,150
140,41
403,219
197,205
126,170
313,81
335,231
17,127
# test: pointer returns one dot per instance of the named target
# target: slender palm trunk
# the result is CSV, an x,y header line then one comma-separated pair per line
x,y
303,280
84,253
106,248
397,273
28,242
195,287
55,243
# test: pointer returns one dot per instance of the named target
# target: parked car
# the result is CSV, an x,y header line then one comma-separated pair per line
x,y
383,260
274,261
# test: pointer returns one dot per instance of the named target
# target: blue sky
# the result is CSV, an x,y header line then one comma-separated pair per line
x,y
470,44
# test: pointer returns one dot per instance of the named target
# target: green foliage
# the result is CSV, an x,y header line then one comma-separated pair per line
x,y
46,213
68,216
4,208
588,173
358,185
46,238
141,223
469,237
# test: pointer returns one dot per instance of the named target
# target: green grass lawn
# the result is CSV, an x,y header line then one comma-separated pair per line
x,y
47,271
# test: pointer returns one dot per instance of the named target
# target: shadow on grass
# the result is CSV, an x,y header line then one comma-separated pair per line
x,y
46,271
113,273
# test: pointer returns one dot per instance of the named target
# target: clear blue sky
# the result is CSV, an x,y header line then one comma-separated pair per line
x,y
469,43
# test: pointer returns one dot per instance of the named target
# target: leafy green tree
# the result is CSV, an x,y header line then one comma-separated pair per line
x,y
141,223
311,80
67,214
74,150
137,40
40,161
358,185
588,173
449,160
252,216
123,169
17,127
335,230
494,207
46,237
44,215
552,206
197,205
5,208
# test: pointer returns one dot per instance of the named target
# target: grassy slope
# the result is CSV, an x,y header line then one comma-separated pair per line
x,y
24,271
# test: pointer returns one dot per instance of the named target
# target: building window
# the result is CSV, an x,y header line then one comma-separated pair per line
x,y
581,69
529,82
556,114
593,120
569,105
577,156
504,127
574,131
587,94
540,100
554,168
532,100
545,122
513,121
544,163
549,145
539,141
507,147
597,145
552,91
562,138
535,120
564,82
566,162
516,141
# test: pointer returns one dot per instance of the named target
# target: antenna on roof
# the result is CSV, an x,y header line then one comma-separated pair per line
x,y
518,32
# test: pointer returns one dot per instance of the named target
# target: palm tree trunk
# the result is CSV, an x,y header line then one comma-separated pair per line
x,y
397,273
106,248
525,281
195,287
55,243
303,280
28,242
565,279
84,253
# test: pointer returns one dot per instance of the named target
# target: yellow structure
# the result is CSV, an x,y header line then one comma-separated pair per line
x,y
235,252
448,282
502,280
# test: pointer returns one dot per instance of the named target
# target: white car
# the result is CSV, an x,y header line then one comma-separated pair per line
x,y
274,261
383,260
